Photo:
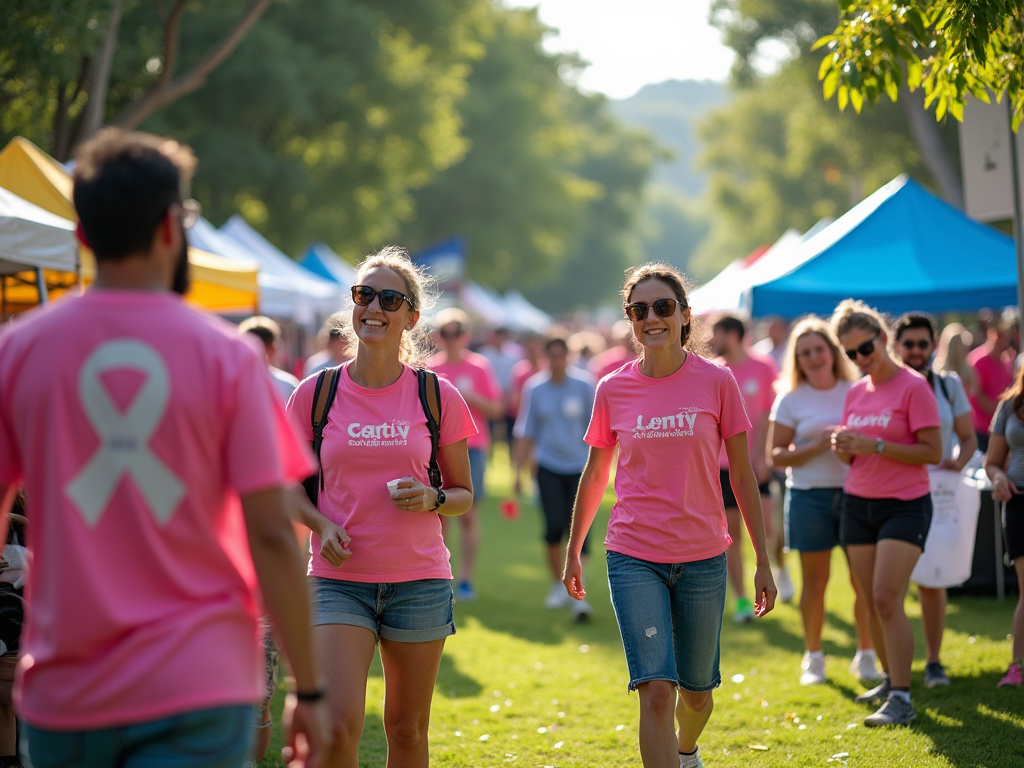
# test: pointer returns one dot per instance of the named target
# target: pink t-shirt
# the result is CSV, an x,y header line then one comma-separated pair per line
x,y
135,423
994,378
669,432
521,372
471,374
756,379
893,411
373,436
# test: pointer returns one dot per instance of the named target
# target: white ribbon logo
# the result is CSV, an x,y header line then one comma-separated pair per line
x,y
124,438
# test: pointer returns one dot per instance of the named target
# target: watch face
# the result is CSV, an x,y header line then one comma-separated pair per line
x,y
441,498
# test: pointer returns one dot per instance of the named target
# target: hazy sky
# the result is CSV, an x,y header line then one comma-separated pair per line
x,y
630,43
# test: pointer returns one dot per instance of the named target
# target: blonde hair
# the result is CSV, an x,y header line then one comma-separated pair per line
x,y
854,313
416,346
792,377
951,356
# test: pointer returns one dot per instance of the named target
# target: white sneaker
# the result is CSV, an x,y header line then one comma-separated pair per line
x,y
865,666
691,761
581,611
557,597
813,666
785,585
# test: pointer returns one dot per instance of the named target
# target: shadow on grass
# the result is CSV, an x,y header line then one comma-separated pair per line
x,y
983,616
453,683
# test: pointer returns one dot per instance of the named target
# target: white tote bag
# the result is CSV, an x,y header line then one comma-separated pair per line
x,y
949,548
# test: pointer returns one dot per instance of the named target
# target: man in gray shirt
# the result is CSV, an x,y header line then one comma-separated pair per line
x,y
915,343
552,423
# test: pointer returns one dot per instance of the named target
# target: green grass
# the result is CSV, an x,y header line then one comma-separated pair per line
x,y
519,684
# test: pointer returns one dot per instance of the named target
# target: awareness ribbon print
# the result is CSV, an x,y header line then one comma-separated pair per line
x,y
124,437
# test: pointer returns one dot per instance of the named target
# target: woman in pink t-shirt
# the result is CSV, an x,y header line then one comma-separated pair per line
x,y
890,431
395,588
668,413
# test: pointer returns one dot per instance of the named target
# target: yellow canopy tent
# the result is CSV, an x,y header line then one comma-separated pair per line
x,y
218,284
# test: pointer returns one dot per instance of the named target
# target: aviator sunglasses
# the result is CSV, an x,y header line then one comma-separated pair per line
x,y
390,300
864,350
662,308
910,344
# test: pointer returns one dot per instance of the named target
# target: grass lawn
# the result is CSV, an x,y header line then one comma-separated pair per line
x,y
519,684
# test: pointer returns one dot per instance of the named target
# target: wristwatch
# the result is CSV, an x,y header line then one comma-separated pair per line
x,y
440,500
879,445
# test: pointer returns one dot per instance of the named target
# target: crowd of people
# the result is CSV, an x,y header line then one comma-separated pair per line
x,y
167,472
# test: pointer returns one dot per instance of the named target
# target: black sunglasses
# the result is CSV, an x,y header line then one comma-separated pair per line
x,y
863,350
910,344
450,333
662,308
389,300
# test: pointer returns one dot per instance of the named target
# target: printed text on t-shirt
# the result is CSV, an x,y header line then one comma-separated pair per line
x,y
374,435
673,425
872,419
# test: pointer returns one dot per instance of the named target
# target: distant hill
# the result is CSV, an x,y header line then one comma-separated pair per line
x,y
671,111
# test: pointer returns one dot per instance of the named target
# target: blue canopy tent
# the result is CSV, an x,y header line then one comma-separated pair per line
x,y
322,261
900,249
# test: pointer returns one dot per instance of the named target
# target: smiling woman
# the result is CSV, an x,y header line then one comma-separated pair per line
x,y
392,585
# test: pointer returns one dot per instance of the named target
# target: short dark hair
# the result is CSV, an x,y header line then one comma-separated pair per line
x,y
556,341
916,320
730,323
124,183
265,329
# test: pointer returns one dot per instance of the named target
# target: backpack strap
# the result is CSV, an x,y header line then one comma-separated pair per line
x,y
323,399
942,385
430,399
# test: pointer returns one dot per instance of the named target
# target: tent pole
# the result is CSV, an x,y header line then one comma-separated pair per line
x,y
1018,217
41,285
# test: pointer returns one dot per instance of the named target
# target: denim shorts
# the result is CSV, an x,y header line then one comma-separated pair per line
x,y
670,619
406,612
812,518
477,470
210,738
868,521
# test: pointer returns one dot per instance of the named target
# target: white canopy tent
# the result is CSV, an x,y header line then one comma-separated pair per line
x,y
31,238
280,295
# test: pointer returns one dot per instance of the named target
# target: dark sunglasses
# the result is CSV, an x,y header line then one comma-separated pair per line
x,y
389,300
450,333
662,308
863,350
910,344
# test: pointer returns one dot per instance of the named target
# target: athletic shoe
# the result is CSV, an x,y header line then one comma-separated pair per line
x,y
876,695
557,597
691,761
895,711
813,666
935,675
464,592
864,666
785,585
1013,675
581,611
744,611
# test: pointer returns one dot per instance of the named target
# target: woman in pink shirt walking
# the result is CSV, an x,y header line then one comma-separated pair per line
x,y
668,413
395,589
890,431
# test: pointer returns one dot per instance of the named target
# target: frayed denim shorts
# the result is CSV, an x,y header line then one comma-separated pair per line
x,y
670,619
406,612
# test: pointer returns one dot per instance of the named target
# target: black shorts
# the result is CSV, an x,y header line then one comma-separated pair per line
x,y
1013,524
557,496
764,489
868,521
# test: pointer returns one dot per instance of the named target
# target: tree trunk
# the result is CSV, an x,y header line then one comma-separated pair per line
x,y
925,130
92,118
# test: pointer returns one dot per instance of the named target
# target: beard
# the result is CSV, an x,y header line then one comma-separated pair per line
x,y
181,280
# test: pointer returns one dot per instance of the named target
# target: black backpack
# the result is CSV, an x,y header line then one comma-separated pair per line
x,y
323,398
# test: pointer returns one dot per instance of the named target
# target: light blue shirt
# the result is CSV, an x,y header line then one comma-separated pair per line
x,y
555,417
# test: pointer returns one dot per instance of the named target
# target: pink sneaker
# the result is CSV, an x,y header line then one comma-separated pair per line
x,y
1013,675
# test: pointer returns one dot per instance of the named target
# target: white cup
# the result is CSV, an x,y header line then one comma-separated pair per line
x,y
393,485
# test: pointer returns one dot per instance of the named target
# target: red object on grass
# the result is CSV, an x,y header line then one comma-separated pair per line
x,y
509,509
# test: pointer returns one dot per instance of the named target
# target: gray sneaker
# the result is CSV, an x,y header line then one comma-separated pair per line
x,y
895,711
876,695
935,675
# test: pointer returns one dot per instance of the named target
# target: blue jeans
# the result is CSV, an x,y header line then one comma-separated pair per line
x,y
812,518
406,612
477,471
670,619
210,738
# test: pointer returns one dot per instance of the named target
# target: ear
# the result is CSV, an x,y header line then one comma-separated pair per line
x,y
686,316
414,317
80,235
168,230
